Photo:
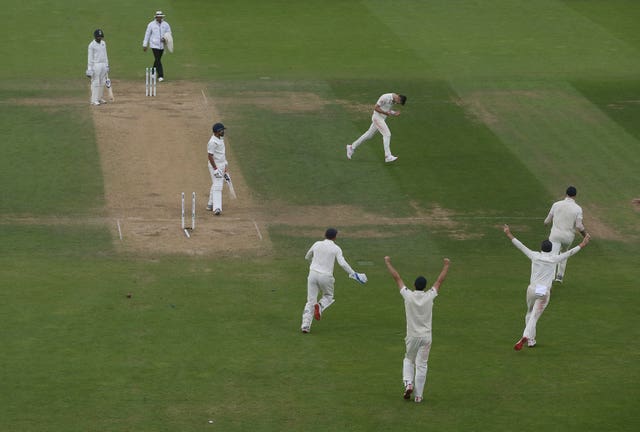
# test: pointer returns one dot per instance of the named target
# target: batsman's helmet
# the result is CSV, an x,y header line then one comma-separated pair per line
x,y
98,33
218,127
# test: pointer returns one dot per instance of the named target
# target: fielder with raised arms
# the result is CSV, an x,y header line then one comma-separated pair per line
x,y
543,265
418,305
323,255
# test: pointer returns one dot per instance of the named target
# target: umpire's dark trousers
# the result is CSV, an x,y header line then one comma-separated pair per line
x,y
157,54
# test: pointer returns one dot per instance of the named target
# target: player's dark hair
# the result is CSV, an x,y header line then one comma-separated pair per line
x,y
403,99
546,246
331,233
571,191
421,283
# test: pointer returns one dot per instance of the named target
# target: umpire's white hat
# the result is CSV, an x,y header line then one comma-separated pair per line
x,y
159,14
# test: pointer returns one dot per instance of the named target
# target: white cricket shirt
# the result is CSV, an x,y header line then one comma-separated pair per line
x,y
418,306
97,53
543,264
216,148
324,254
385,102
566,216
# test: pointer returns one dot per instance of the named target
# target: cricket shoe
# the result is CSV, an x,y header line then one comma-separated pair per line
x,y
518,345
349,151
217,212
418,399
317,312
531,343
305,329
102,101
558,278
407,391
160,79
209,207
390,158
95,103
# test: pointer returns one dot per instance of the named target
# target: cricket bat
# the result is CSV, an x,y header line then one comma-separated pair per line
x,y
232,191
109,90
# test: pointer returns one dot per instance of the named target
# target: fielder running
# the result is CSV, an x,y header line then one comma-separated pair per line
x,y
567,217
543,266
158,31
218,167
97,67
381,110
323,254
418,307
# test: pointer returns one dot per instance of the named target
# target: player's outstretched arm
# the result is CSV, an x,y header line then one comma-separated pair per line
x,y
507,231
585,241
443,274
394,273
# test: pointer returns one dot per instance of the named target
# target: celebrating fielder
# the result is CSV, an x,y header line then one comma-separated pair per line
x,y
381,110
97,67
323,255
418,307
543,266
218,168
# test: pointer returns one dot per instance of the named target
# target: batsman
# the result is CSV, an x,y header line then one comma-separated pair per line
x,y
218,168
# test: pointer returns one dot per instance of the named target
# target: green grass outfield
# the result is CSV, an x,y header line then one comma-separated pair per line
x,y
509,102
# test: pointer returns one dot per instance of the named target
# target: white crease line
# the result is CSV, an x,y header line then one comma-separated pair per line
x,y
257,229
204,97
119,229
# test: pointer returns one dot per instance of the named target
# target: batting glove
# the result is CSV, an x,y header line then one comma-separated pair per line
x,y
359,277
89,73
108,83
217,173
108,69
227,177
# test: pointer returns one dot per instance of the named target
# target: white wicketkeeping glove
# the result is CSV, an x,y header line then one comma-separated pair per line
x,y
359,277
217,173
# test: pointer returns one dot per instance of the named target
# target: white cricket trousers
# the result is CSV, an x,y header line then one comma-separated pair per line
x,y
98,81
317,283
378,124
559,245
535,306
215,193
414,365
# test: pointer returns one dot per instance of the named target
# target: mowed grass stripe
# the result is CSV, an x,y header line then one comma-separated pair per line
x,y
561,137
506,38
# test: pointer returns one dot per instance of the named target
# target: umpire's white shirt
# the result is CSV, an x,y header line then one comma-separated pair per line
x,y
566,216
154,34
543,264
418,306
217,149
324,254
97,53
